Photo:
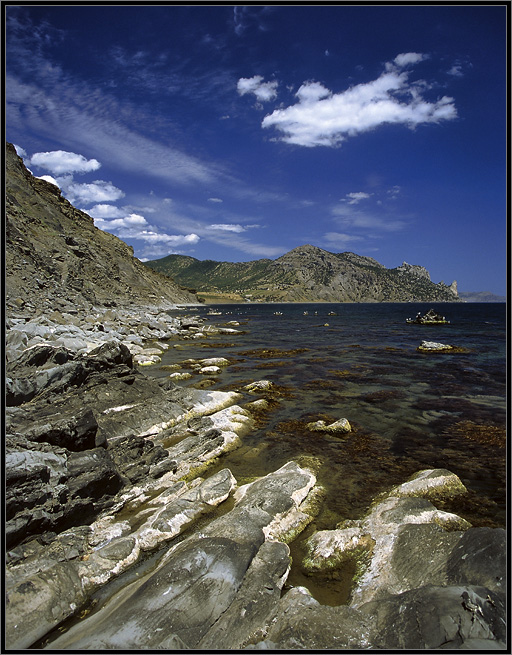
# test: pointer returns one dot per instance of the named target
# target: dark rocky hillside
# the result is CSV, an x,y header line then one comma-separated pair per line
x,y
56,258
308,274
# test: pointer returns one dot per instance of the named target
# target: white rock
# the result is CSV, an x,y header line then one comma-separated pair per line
x,y
215,361
210,370
180,376
342,425
433,345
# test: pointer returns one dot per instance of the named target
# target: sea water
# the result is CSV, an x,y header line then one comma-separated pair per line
x,y
408,410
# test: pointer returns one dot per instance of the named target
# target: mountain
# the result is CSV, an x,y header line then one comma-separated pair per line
x,y
56,258
480,296
306,274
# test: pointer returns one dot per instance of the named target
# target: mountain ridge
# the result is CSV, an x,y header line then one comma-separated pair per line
x,y
306,274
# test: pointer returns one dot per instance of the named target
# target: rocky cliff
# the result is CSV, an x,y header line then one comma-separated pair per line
x,y
56,258
308,274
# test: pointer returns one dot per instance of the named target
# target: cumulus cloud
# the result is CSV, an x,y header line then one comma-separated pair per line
x,y
264,91
312,92
105,211
97,191
323,118
60,162
135,227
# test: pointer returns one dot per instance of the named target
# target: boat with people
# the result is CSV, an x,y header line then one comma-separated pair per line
x,y
429,318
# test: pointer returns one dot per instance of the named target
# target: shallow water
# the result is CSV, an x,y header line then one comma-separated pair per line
x,y
408,410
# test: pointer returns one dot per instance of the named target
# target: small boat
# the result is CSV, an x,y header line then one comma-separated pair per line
x,y
278,313
214,312
306,313
430,318
332,314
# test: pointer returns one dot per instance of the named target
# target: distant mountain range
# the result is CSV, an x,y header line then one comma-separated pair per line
x,y
305,274
480,296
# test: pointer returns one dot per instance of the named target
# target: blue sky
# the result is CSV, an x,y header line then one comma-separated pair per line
x,y
241,132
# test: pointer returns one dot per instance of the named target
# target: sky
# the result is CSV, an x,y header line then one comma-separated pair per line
x,y
240,132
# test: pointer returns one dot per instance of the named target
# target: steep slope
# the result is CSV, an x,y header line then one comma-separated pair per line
x,y
56,257
309,274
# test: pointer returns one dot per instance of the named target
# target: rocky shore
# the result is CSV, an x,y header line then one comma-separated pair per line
x,y
120,536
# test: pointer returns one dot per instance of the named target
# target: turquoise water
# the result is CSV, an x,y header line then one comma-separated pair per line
x,y
407,410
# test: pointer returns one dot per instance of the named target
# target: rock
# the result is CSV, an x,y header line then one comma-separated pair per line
x,y
215,361
210,370
69,430
200,578
433,346
437,617
259,386
431,484
256,602
302,623
35,605
180,376
340,426
479,558
387,556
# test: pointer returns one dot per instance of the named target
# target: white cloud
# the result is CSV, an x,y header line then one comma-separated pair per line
x,y
105,211
157,237
409,58
97,191
312,92
135,227
264,91
322,118
60,161
132,220
227,227
215,200
357,196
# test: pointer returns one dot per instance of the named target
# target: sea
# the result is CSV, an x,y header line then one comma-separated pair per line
x,y
408,410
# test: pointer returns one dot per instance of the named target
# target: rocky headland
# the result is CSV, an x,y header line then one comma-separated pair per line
x,y
124,531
